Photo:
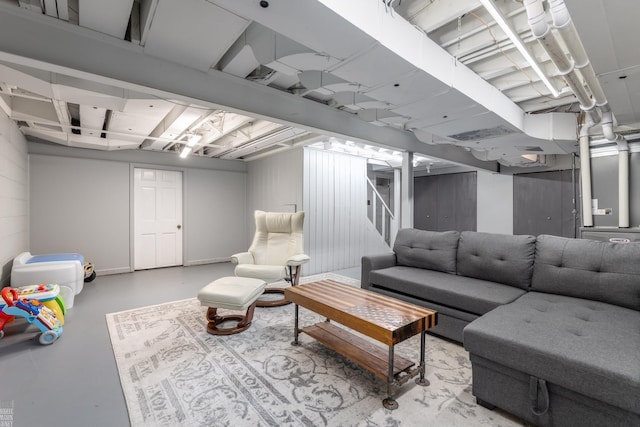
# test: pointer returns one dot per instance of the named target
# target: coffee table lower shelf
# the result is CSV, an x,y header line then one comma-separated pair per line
x,y
364,353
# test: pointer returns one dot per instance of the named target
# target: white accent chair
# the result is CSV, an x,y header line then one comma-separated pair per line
x,y
276,253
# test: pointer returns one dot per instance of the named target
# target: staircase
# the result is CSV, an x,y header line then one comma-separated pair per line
x,y
381,217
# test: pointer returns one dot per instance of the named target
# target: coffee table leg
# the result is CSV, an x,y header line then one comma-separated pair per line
x,y
296,330
390,402
422,380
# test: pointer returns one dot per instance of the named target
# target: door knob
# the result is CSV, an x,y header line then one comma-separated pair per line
x,y
179,226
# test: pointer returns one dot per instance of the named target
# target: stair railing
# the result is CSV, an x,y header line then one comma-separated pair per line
x,y
388,225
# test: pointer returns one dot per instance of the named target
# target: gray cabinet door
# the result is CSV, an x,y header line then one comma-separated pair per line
x,y
446,202
543,203
425,196
466,187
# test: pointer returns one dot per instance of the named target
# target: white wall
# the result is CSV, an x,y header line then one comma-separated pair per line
x,y
14,195
495,202
335,199
83,205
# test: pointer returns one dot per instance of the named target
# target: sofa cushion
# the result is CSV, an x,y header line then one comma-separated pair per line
x,y
586,346
600,271
427,249
463,293
498,258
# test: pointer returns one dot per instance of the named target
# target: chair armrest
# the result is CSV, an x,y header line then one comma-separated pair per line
x,y
242,258
298,259
375,262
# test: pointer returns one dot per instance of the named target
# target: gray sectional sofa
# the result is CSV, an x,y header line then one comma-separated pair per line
x,y
552,324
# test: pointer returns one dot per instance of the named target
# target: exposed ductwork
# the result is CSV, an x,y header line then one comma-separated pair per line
x,y
260,45
576,69
445,84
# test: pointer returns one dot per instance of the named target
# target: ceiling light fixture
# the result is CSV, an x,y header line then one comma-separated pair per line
x,y
185,152
193,139
500,19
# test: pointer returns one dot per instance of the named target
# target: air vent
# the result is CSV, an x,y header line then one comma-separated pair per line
x,y
76,125
105,125
261,74
74,115
528,148
49,127
481,134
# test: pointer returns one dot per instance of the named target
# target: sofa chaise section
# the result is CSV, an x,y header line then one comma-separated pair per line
x,y
568,352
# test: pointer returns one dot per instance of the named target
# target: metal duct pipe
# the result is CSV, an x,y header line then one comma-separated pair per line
x,y
585,171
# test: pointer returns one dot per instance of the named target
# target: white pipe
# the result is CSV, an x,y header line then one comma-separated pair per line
x,y
585,172
623,167
569,69
563,23
607,126
537,20
623,182
548,40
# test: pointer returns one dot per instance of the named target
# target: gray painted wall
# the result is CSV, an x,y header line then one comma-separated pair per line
x,y
604,181
83,204
495,202
215,210
274,184
14,195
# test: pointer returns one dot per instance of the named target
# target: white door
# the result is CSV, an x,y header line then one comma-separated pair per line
x,y
157,218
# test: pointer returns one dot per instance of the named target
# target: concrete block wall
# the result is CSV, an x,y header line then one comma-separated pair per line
x,y
14,195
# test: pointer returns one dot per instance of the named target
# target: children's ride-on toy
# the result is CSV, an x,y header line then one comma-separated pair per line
x,y
33,311
47,294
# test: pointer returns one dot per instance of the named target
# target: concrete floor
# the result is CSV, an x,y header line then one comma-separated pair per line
x,y
74,381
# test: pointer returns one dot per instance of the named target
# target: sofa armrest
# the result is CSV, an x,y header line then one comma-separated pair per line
x,y
375,262
242,258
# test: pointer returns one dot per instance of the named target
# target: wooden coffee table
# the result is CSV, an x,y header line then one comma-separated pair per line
x,y
382,318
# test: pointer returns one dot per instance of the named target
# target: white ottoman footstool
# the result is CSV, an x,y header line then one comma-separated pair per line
x,y
232,293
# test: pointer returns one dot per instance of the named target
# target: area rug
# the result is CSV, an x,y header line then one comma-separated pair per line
x,y
173,373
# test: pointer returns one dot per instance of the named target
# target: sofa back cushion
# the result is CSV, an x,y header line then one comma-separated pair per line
x,y
427,249
599,271
498,258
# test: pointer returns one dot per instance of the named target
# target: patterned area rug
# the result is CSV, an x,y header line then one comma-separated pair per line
x,y
173,373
